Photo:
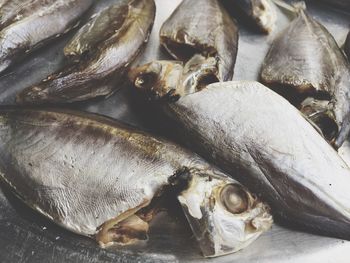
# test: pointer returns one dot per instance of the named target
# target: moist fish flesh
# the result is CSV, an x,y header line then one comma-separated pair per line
x,y
99,178
305,65
34,24
261,13
261,140
111,40
202,27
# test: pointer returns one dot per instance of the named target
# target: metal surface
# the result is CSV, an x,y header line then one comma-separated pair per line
x,y
26,236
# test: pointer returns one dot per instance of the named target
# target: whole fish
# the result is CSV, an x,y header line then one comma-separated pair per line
x,y
33,23
261,13
306,65
100,178
111,40
347,46
261,140
207,30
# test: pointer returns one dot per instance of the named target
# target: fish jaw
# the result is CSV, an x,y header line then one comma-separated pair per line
x,y
171,80
223,215
265,15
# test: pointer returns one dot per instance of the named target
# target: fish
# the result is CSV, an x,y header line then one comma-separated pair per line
x,y
103,49
260,13
31,24
101,178
207,30
258,138
306,65
347,46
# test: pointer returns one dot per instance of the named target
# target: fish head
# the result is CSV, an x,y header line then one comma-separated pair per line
x,y
319,112
224,216
170,80
159,80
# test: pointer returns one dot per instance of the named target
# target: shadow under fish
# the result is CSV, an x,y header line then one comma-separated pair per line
x,y
100,54
306,66
103,179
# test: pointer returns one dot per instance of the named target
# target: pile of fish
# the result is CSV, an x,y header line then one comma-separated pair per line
x,y
106,180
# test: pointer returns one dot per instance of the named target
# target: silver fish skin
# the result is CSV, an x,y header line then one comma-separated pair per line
x,y
97,177
112,53
208,31
271,147
261,13
306,65
48,19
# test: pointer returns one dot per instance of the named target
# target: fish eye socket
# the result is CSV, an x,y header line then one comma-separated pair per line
x,y
234,199
146,80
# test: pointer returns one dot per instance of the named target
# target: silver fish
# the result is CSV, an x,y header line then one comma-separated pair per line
x,y
261,13
261,140
207,30
305,65
112,39
98,178
35,24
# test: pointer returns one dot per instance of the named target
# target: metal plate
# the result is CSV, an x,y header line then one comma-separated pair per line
x,y
26,236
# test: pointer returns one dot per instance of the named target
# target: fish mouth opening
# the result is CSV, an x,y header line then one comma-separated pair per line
x,y
185,51
132,226
318,111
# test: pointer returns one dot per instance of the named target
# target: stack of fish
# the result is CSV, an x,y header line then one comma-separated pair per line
x,y
305,101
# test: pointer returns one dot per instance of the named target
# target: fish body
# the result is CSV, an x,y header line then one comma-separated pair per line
x,y
35,23
261,13
207,30
305,65
270,147
97,177
112,39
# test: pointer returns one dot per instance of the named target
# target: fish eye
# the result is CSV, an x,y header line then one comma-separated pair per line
x,y
234,199
146,80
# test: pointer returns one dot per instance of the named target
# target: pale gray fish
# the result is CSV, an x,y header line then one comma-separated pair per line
x,y
203,27
261,13
306,65
258,138
35,24
111,40
100,178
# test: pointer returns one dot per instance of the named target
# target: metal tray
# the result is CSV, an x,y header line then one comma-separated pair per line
x,y
25,236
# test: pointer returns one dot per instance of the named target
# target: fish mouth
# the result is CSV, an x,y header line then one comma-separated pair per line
x,y
170,80
223,215
320,114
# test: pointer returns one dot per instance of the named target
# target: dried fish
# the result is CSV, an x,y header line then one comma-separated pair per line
x,y
261,13
258,138
111,40
305,65
207,30
30,24
52,160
